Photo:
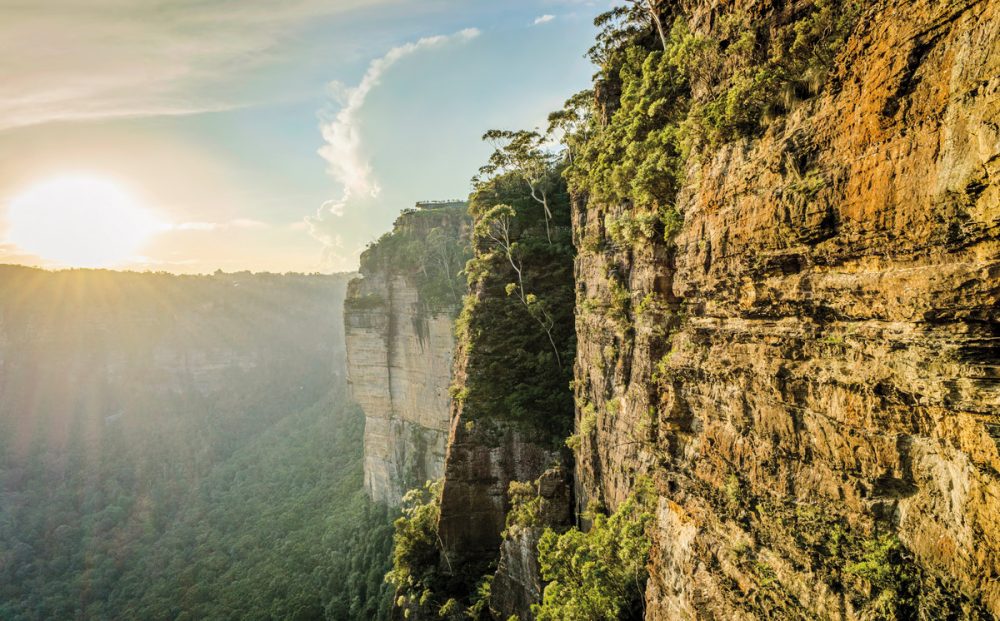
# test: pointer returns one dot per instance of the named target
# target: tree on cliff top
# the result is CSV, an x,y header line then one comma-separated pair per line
x,y
523,153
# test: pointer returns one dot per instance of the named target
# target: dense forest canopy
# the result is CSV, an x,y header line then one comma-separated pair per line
x,y
181,447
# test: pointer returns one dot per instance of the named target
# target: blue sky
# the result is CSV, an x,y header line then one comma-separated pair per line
x,y
212,113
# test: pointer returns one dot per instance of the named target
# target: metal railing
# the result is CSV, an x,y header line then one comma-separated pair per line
x,y
457,201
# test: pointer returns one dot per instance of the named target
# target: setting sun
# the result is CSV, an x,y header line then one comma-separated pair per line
x,y
80,221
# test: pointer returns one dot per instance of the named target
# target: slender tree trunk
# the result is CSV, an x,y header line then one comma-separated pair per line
x,y
655,16
544,201
503,241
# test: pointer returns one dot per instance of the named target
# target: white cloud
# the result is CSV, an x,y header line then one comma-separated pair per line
x,y
343,150
75,59
543,19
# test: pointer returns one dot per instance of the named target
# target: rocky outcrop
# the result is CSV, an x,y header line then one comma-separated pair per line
x,y
518,582
481,466
817,368
512,410
399,364
399,350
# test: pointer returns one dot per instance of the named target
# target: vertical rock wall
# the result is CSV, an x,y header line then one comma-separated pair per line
x,y
818,365
399,359
399,364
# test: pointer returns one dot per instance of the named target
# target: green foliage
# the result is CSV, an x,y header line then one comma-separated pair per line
x,y
656,105
895,581
525,504
638,156
521,153
415,553
768,72
879,574
423,578
573,122
647,303
619,28
732,490
630,228
425,245
599,574
621,303
751,97
662,372
806,187
517,328
480,608
450,608
588,420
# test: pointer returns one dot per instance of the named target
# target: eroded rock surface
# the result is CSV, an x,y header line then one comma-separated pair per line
x,y
399,359
824,363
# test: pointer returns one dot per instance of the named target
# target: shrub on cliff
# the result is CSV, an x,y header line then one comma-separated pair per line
x,y
415,553
599,574
657,99
637,155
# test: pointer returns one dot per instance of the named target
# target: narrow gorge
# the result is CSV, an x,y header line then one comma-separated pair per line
x,y
732,353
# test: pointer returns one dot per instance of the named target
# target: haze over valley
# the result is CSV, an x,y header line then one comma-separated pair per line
x,y
534,310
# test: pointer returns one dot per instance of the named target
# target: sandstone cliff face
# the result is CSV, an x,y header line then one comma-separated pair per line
x,y
813,365
399,358
481,465
399,364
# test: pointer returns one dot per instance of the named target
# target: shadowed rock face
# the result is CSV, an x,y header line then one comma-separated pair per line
x,y
518,583
399,358
830,362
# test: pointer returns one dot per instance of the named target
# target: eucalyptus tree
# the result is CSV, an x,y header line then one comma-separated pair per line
x,y
496,227
572,122
521,152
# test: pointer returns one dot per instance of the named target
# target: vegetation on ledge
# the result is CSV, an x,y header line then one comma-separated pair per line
x,y
428,246
517,325
600,574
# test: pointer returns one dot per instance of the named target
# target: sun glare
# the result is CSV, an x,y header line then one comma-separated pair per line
x,y
80,221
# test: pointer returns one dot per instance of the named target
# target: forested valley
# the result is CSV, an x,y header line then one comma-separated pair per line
x,y
181,447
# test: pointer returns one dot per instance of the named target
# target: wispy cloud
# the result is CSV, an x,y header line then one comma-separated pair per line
x,y
343,151
67,59
544,19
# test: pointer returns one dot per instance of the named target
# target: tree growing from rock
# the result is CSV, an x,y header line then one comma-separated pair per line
x,y
496,226
521,152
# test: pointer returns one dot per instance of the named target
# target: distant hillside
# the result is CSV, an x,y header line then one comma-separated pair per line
x,y
85,350
172,444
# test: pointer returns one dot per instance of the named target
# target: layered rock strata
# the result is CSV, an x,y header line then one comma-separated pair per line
x,y
818,368
399,359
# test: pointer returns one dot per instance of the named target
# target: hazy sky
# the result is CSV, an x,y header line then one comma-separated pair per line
x,y
274,135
